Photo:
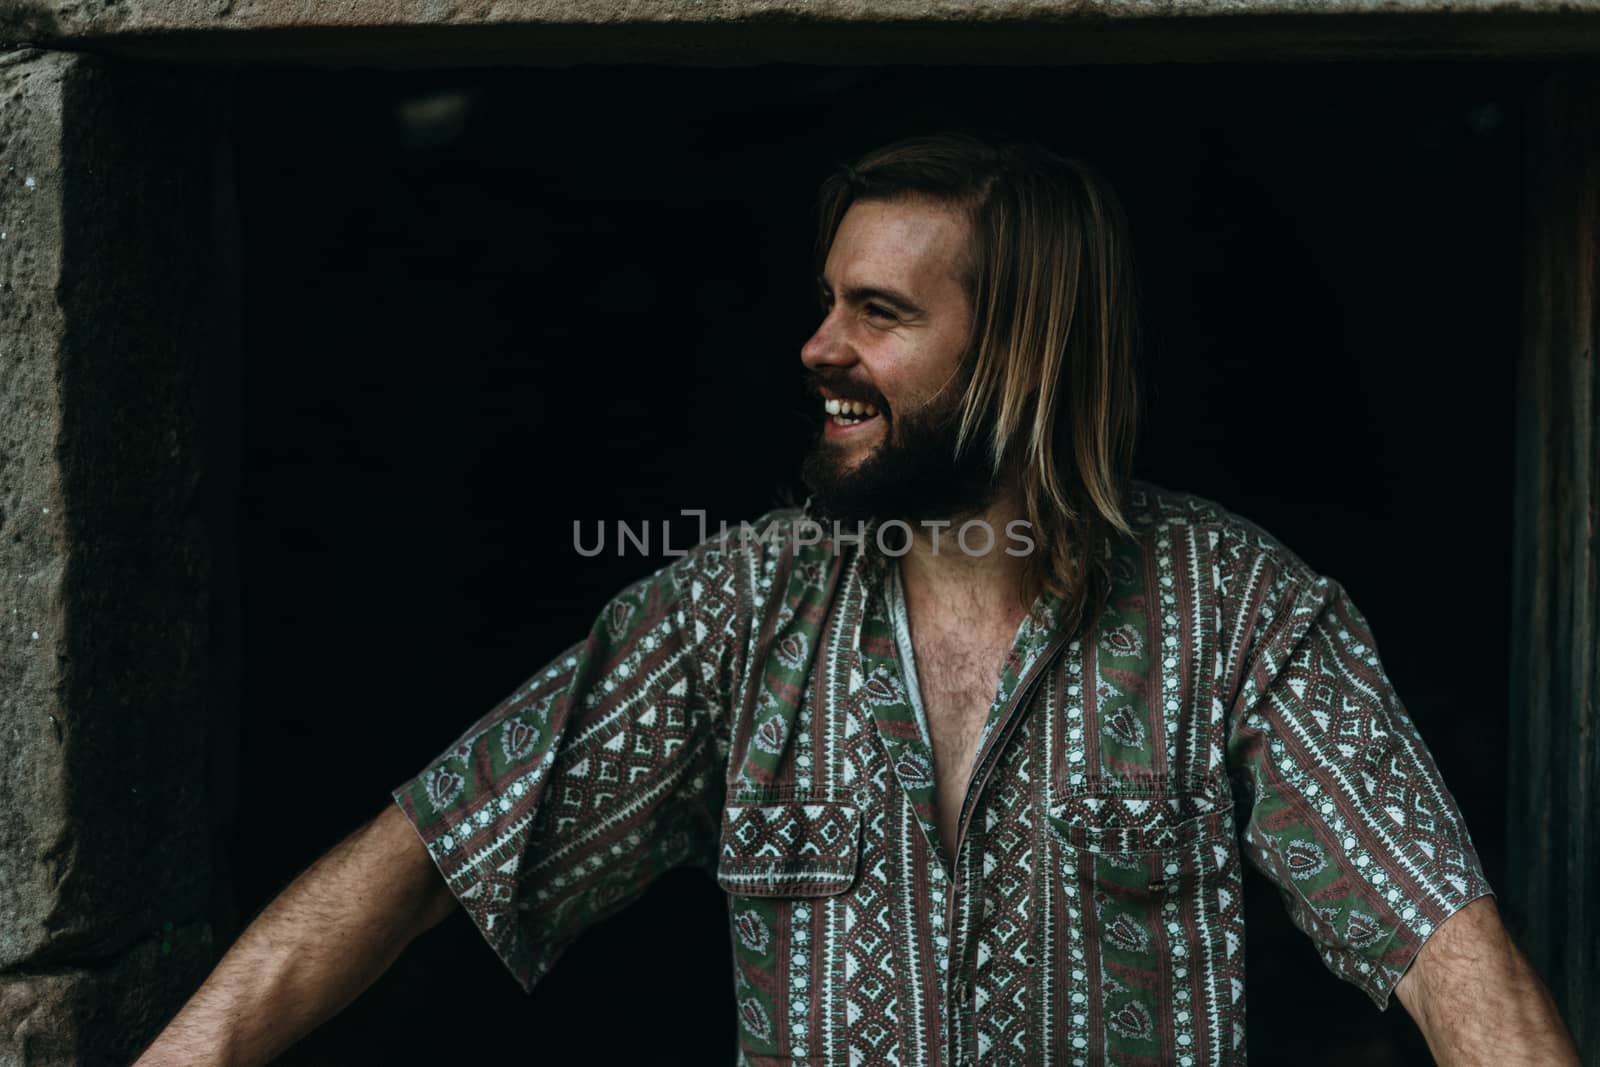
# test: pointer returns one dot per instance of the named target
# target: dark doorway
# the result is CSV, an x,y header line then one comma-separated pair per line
x,y
482,305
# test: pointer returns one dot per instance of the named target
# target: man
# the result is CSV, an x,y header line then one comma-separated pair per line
x,y
977,781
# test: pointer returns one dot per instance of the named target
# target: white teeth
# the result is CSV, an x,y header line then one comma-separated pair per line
x,y
847,412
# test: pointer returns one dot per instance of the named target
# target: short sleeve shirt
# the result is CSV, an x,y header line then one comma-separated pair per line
x,y
746,709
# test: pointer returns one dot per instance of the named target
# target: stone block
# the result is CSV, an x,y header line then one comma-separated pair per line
x,y
115,311
104,1016
33,649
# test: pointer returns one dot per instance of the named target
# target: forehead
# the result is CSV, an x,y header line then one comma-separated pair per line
x,y
914,244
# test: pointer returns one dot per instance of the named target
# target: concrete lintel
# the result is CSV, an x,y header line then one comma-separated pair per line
x,y
402,33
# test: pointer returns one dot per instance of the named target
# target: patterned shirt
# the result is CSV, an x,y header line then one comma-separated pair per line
x,y
747,709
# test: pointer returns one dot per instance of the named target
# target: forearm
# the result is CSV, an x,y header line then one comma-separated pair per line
x,y
313,950
1477,1000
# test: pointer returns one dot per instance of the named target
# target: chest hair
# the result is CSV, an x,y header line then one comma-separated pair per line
x,y
958,672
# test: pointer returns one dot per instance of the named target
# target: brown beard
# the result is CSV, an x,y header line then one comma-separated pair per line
x,y
915,474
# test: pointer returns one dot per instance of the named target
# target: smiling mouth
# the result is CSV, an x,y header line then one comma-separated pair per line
x,y
849,412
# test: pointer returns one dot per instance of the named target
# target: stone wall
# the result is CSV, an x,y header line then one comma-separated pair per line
x,y
114,312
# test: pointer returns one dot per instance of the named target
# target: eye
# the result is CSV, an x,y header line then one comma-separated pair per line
x,y
879,312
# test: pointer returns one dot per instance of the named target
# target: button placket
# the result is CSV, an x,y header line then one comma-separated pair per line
x,y
963,1017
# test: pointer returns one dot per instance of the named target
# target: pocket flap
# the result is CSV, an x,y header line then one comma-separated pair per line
x,y
1142,818
789,849
1132,839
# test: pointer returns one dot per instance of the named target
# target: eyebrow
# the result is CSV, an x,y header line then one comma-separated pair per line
x,y
860,294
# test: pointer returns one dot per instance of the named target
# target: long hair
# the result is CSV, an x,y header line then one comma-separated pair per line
x,y
1052,383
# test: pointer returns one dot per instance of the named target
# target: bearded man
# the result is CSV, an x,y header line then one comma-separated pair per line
x,y
971,803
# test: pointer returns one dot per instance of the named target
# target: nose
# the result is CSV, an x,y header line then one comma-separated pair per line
x,y
828,347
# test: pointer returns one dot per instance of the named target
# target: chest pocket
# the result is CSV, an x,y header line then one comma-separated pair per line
x,y
1153,870
778,859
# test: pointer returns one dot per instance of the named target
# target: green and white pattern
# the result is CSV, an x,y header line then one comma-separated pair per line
x,y
746,710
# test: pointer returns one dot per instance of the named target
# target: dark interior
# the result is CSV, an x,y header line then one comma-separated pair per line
x,y
481,305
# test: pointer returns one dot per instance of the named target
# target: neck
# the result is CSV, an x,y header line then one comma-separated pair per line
x,y
939,569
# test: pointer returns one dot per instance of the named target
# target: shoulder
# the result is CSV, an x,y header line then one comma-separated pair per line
x,y
748,559
1235,545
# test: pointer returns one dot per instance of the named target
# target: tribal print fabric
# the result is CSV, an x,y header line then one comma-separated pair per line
x,y
745,710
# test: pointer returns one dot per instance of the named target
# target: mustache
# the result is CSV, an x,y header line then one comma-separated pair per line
x,y
842,387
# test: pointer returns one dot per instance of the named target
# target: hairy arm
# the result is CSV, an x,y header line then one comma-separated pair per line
x,y
313,950
1478,1001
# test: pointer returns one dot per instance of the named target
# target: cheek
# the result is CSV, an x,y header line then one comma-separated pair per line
x,y
881,365
913,381
941,370
952,346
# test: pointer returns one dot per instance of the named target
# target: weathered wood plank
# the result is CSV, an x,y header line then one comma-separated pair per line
x,y
1552,895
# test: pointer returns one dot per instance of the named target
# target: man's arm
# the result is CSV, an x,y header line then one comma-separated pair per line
x,y
1478,1001
313,950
